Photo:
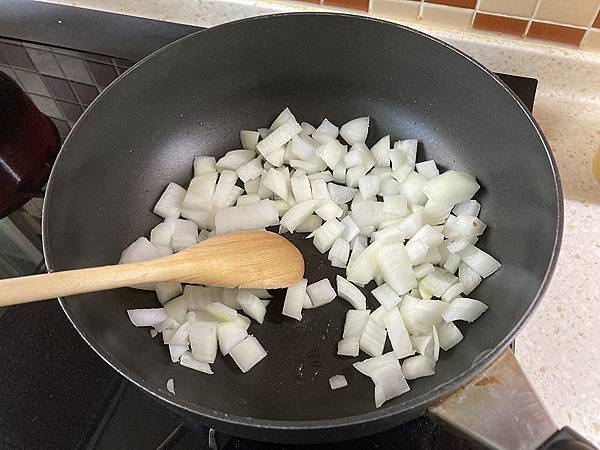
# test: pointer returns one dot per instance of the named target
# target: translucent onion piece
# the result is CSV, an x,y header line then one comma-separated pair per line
x,y
235,159
363,269
203,340
319,190
298,214
248,353
451,187
162,234
381,152
452,292
175,351
468,208
350,293
461,308
417,367
250,170
325,132
221,312
252,305
480,261
365,213
369,186
294,300
326,235
438,282
177,308
358,246
339,252
367,366
420,314
409,149
205,164
350,229
320,293
279,137
386,296
449,335
372,340
356,321
412,188
171,386
249,139
246,217
468,277
389,382
355,130
396,267
149,317
349,346
341,194
187,360
229,334
310,224
329,210
331,152
354,174
338,381
399,338
452,263
170,202
303,148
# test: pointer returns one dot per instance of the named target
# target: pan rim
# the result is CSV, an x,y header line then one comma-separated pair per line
x,y
418,404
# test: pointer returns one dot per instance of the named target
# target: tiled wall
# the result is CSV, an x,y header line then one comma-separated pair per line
x,y
566,22
62,83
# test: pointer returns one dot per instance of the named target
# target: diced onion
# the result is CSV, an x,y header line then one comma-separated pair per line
x,y
294,300
320,293
338,381
418,366
248,353
350,293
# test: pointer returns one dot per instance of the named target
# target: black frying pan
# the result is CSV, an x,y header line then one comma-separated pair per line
x,y
192,98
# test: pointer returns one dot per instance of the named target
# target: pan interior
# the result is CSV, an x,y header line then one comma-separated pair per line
x,y
193,98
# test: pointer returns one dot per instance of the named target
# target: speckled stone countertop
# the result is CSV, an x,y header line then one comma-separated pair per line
x,y
560,346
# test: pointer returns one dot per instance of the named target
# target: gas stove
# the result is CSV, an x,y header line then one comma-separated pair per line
x,y
56,392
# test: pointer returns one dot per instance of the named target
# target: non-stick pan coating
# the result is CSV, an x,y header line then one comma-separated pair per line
x,y
192,98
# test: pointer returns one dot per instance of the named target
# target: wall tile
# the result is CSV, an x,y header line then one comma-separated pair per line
x,y
458,3
45,62
591,41
103,73
446,16
572,12
32,82
522,8
74,68
557,33
596,23
47,105
59,88
395,9
363,5
16,55
510,25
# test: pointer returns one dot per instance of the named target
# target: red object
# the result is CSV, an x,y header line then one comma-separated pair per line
x,y
29,143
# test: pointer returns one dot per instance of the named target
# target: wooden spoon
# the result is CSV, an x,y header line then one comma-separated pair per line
x,y
247,259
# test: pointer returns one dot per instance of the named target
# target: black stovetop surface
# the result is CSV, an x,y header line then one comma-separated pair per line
x,y
55,391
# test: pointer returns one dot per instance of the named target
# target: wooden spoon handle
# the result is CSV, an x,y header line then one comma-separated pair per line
x,y
58,284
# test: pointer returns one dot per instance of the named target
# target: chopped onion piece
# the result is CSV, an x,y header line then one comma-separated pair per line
x,y
451,187
294,300
409,149
221,312
230,334
246,217
203,340
399,338
252,305
368,366
438,282
363,269
310,224
187,360
247,353
416,251
250,170
468,277
341,194
466,309
325,132
329,210
367,213
350,293
372,340
389,382
338,381
428,169
355,130
354,174
177,309
338,255
205,164
480,261
420,314
449,335
168,290
249,139
200,192
423,270
356,321
339,173
170,202
319,190
171,386
418,366
307,129
326,235
358,246
298,214
320,293
331,152
395,265
235,159
149,317
468,208
369,186
386,296
381,152
279,137
412,188
162,234
452,262
349,346
176,351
